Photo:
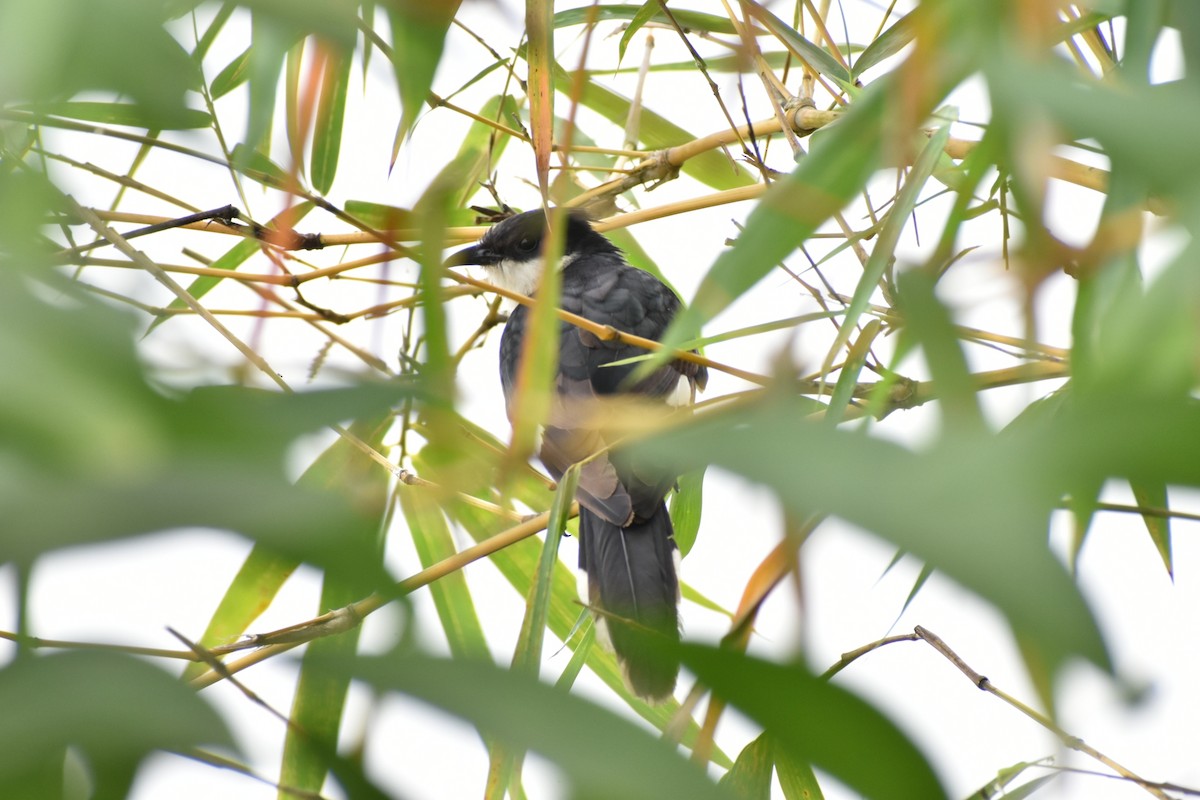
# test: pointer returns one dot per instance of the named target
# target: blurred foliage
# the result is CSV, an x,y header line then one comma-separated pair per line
x,y
102,101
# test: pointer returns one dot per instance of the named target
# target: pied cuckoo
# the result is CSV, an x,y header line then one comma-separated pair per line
x,y
627,545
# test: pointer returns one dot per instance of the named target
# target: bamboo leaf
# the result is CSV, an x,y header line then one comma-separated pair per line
x,y
529,650
1005,778
993,496
883,254
116,114
815,720
418,38
519,561
114,710
316,714
380,215
687,505
484,145
258,580
233,75
532,716
694,596
52,52
451,594
843,391
712,168
648,11
688,19
750,778
928,321
539,33
796,777
327,129
806,51
890,42
1154,495
505,762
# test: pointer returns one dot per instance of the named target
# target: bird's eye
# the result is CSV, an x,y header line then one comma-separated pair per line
x,y
527,245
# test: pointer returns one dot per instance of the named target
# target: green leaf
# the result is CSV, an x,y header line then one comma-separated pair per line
x,y
451,594
712,168
648,11
527,657
890,42
116,114
272,43
115,709
320,696
251,592
922,577
27,200
583,740
327,129
519,561
884,252
235,73
819,722
342,467
215,26
1028,789
483,145
380,215
335,22
847,382
688,20
974,506
276,28
1055,90
929,323
540,347
93,453
1005,778
1151,345
1154,495
796,777
418,37
694,596
774,59
806,51
528,654
750,778
255,163
56,49
687,506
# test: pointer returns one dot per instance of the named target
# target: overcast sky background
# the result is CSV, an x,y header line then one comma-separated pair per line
x,y
129,592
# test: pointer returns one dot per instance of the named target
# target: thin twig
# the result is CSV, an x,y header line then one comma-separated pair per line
x,y
1068,740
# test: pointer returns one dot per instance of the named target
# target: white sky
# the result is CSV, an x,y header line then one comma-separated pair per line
x,y
129,592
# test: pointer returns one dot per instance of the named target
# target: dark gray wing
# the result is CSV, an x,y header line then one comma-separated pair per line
x,y
604,289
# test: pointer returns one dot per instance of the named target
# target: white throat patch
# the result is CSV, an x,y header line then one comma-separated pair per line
x,y
522,277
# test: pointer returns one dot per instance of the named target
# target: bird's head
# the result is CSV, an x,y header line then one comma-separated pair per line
x,y
512,250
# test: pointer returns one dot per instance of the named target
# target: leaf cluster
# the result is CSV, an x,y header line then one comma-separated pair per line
x,y
851,151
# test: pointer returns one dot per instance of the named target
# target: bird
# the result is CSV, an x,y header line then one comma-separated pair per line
x,y
627,545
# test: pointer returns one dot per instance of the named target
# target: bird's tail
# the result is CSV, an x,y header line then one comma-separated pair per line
x,y
631,579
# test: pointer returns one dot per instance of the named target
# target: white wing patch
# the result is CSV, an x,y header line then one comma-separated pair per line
x,y
682,395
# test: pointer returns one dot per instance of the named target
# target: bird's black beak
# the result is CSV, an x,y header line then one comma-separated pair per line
x,y
479,256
